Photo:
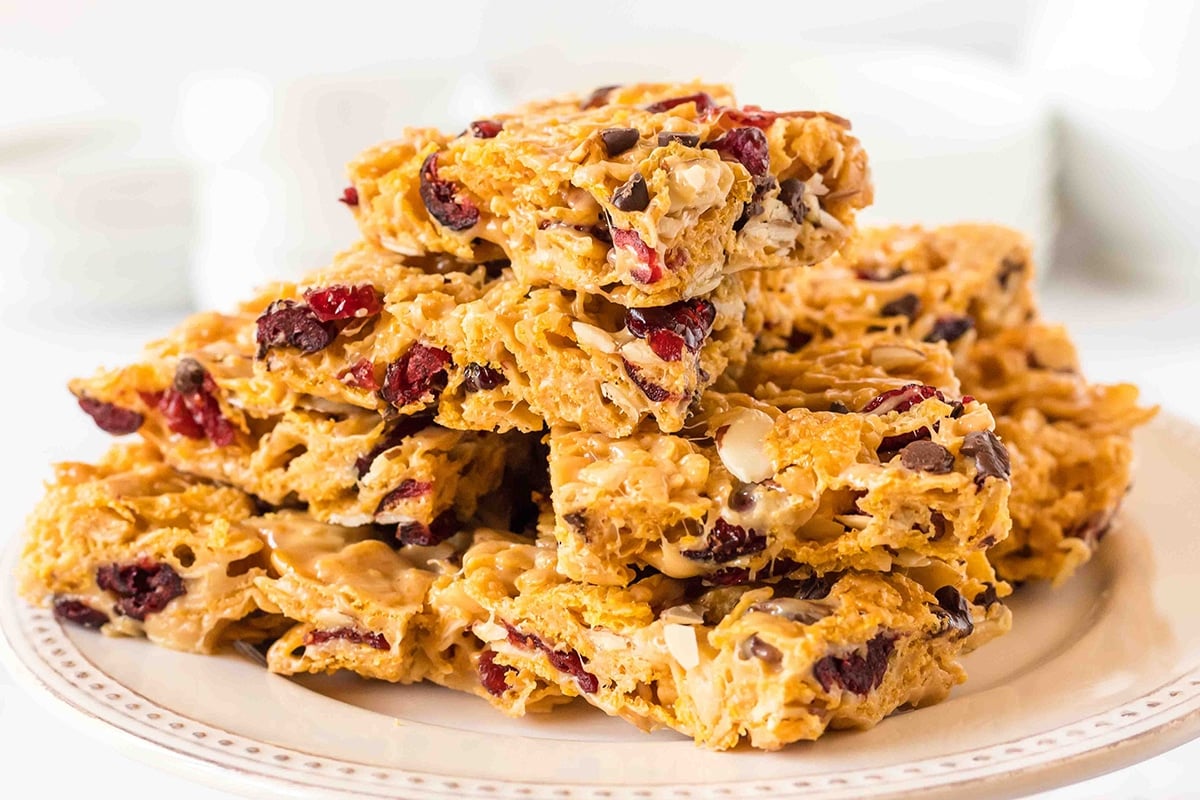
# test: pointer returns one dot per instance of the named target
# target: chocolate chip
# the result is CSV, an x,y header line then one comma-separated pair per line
x,y
927,456
685,139
991,457
618,140
189,376
798,340
1008,267
742,498
755,647
954,611
906,305
632,195
838,407
950,329
598,97
791,194
481,378
987,598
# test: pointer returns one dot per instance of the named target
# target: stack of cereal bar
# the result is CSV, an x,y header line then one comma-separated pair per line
x,y
612,401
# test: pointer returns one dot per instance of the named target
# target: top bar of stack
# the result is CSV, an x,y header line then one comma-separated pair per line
x,y
647,194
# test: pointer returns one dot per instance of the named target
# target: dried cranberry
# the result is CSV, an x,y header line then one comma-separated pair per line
x,y
349,196
667,345
906,305
654,393
376,641
598,97
111,418
901,399
480,378
568,661
360,374
444,526
486,128
990,454
632,195
442,201
190,406
949,329
690,322
408,489
747,146
927,456
685,139
618,140
791,194
339,301
704,103
421,371
856,673
404,427
143,587
954,611
493,676
727,542
287,323
79,613
648,270
571,663
890,445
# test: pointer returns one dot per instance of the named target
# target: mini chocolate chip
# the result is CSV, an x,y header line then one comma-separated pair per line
x,y
763,651
481,378
632,195
685,139
791,194
991,457
598,97
950,329
189,376
927,456
1008,267
742,498
618,140
906,305
838,407
798,340
987,598
576,520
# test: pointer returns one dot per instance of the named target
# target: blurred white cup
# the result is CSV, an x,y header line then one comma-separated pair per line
x,y
86,225
272,162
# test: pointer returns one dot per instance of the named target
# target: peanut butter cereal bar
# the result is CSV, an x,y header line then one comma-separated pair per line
x,y
772,661
647,193
908,475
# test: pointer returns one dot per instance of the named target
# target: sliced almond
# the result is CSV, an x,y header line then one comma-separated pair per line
x,y
594,338
742,446
681,644
894,357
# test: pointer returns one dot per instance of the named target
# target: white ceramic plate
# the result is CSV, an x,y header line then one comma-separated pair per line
x,y
1095,676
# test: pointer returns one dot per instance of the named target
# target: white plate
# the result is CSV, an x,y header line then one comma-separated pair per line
x,y
1095,676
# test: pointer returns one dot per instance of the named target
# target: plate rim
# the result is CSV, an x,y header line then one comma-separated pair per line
x,y
47,664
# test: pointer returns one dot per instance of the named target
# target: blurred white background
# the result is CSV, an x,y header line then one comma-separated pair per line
x,y
161,156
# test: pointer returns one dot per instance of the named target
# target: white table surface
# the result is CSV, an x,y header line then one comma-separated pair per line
x,y
1150,335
